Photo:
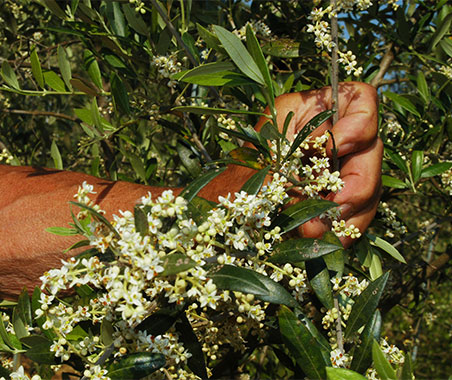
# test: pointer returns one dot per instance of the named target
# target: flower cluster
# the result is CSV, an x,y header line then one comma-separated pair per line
x,y
389,218
167,66
6,156
139,6
259,27
322,30
162,256
446,179
446,70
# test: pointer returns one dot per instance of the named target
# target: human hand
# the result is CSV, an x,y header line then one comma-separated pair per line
x,y
359,149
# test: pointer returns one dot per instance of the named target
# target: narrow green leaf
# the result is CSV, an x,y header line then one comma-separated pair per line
x,y
9,76
116,18
120,96
298,250
137,165
56,156
422,87
334,260
189,159
435,169
301,212
62,231
239,55
247,281
33,340
254,184
211,39
397,160
161,321
362,356
289,117
53,80
55,8
106,332
342,374
269,131
136,366
36,68
365,305
403,102
205,70
24,307
141,220
176,263
312,124
381,364
302,345
65,66
375,269
190,43
256,52
193,188
134,19
97,216
446,45
387,247
393,182
198,208
319,280
187,336
284,48
407,369
92,67
441,30
417,161
19,324
41,353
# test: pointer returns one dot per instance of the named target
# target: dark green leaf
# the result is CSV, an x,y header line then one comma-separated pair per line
x,y
54,81
248,155
250,282
446,45
365,305
65,66
239,55
190,341
92,67
397,160
301,212
342,374
287,123
381,364
417,161
106,332
319,280
136,366
302,345
198,208
41,353
205,70
189,159
24,307
422,87
297,250
33,340
120,96
362,356
269,131
160,321
393,182
55,8
176,263
254,184
190,43
211,39
435,169
97,216
325,346
9,76
193,188
116,18
312,124
36,68
77,333
134,19
19,324
256,52
407,369
141,221
441,30
334,260
283,48
402,102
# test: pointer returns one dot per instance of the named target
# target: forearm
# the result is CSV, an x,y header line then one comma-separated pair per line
x,y
33,199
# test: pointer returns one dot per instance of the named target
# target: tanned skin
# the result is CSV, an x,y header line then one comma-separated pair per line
x,y
33,199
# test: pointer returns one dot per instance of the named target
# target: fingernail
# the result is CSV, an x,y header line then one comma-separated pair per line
x,y
346,210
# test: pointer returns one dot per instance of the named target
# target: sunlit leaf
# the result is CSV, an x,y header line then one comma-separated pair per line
x,y
239,55
417,161
9,76
195,186
387,247
381,364
92,67
402,102
435,169
36,68
393,182
254,184
342,374
54,81
65,66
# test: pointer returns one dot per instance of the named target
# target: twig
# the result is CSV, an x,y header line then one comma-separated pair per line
x,y
41,113
339,337
334,64
384,66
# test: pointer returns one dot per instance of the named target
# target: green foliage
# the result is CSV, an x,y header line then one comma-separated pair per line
x,y
106,89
